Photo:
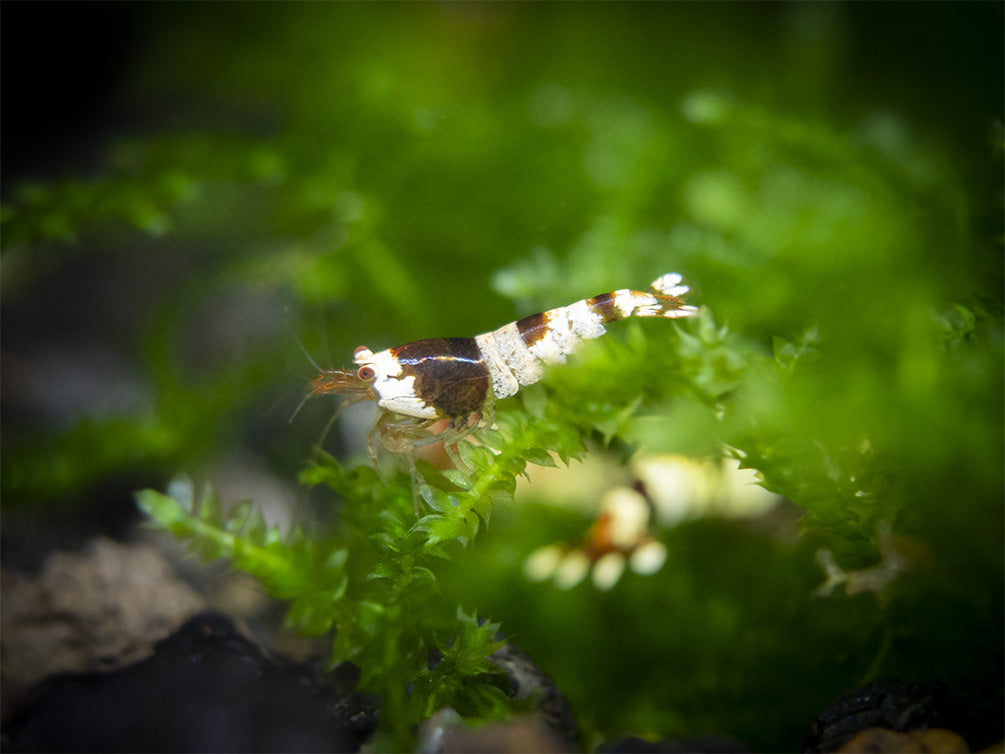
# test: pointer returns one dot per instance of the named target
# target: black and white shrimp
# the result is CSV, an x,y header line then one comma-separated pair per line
x,y
458,380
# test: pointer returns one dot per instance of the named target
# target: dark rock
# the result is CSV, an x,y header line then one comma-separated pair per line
x,y
529,681
888,704
205,689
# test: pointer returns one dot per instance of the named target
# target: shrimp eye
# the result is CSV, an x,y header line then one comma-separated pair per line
x,y
366,373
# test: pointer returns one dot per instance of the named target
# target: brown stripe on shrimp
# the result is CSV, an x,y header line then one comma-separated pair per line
x,y
450,374
604,306
533,328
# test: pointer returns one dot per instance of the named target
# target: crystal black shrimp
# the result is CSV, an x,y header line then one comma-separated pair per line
x,y
419,384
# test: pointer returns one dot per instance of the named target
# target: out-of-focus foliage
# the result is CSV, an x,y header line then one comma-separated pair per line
x,y
381,173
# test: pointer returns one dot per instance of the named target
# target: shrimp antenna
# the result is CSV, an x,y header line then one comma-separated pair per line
x,y
304,349
328,426
300,406
313,364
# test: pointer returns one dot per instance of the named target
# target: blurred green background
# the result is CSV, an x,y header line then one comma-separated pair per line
x,y
185,183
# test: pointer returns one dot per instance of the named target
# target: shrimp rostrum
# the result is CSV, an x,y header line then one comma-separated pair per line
x,y
457,380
